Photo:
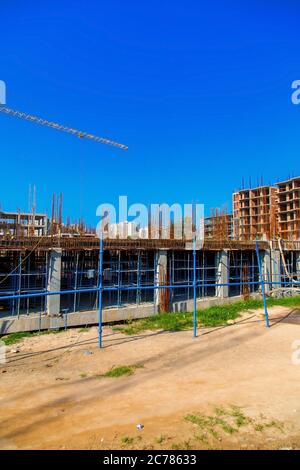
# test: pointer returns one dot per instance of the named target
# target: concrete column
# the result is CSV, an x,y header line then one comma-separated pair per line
x,y
54,281
275,267
297,254
222,275
266,268
162,296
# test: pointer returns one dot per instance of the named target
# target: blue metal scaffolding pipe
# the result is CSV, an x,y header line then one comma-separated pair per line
x,y
127,288
100,288
262,282
195,287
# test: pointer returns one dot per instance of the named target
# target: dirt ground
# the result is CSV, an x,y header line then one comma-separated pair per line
x,y
231,387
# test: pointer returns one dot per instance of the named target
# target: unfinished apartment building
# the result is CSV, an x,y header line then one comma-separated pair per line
x,y
22,224
255,213
289,209
218,226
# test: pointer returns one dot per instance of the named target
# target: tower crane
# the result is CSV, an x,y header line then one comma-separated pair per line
x,y
70,130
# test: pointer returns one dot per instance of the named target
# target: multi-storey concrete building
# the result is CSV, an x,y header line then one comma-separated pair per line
x,y
255,213
218,226
22,224
289,209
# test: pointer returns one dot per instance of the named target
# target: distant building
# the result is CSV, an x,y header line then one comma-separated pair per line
x,y
144,233
22,224
122,230
218,226
255,213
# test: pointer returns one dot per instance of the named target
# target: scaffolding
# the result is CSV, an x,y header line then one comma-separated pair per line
x,y
121,278
125,274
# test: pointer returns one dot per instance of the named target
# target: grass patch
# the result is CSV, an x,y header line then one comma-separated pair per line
x,y
240,418
129,441
229,421
119,371
160,439
17,337
210,424
126,440
260,427
185,445
84,330
213,316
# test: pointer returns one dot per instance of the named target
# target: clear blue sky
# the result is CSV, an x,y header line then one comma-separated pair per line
x,y
199,91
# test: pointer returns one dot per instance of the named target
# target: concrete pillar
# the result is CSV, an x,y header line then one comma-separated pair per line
x,y
297,254
54,281
222,275
266,269
275,267
162,296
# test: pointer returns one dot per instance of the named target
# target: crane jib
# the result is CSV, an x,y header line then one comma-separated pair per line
x,y
60,127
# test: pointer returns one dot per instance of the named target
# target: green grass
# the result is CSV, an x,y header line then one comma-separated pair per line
x,y
119,371
240,418
260,427
129,441
86,329
228,421
126,440
17,337
160,439
210,424
185,445
213,316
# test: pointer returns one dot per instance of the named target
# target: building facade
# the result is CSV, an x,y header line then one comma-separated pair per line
x,y
255,213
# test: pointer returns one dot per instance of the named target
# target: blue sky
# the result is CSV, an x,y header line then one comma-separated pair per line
x,y
199,91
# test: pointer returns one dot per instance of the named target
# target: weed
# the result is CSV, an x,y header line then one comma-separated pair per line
x,y
240,418
229,420
126,440
259,427
129,441
13,338
160,439
185,445
119,371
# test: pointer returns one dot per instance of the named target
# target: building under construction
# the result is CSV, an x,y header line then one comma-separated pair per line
x,y
23,224
225,270
289,209
255,213
267,212
40,256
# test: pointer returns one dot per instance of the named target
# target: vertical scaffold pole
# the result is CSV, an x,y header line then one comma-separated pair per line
x,y
262,282
195,286
100,287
